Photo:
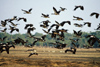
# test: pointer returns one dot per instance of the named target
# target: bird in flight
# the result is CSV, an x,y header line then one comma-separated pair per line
x,y
55,11
27,11
63,9
95,13
77,18
32,54
45,16
81,7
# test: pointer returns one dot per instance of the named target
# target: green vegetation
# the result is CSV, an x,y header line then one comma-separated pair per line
x,y
25,37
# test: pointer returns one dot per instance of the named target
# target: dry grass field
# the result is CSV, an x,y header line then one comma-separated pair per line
x,y
50,57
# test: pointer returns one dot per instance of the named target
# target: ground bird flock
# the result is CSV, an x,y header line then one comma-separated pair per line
x,y
53,30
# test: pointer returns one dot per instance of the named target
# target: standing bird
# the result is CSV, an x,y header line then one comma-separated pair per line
x,y
88,24
77,18
45,16
22,18
94,13
27,12
63,9
81,7
55,11
32,54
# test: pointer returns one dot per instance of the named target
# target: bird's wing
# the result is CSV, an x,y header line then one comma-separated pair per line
x,y
57,22
4,37
30,9
74,32
34,42
26,26
54,9
30,54
82,8
75,8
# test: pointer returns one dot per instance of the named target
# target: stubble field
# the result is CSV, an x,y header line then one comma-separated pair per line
x,y
50,57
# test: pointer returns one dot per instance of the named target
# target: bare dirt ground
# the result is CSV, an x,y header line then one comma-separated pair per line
x,y
50,57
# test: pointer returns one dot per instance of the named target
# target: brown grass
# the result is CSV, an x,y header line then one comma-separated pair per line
x,y
50,57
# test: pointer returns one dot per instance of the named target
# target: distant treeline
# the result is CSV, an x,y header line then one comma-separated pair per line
x,y
82,41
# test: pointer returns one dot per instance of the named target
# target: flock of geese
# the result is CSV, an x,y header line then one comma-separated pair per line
x,y
57,34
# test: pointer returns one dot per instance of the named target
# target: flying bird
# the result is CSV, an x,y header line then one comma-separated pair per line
x,y
13,24
3,23
28,25
77,18
45,16
62,9
22,18
71,50
55,11
13,29
27,11
92,39
78,25
88,24
95,13
4,30
2,39
74,40
29,30
78,34
62,23
32,54
81,7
